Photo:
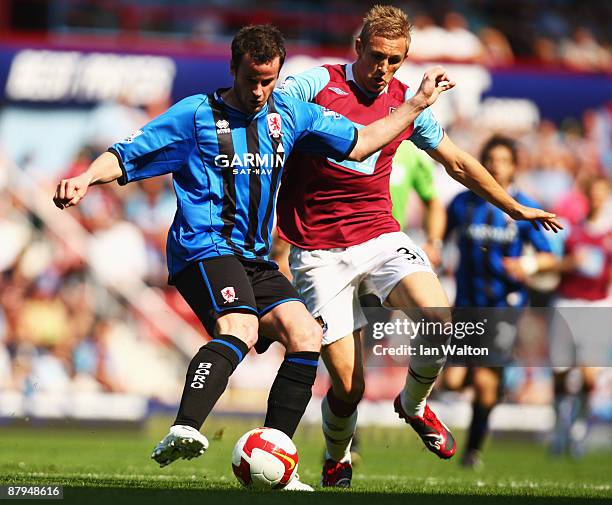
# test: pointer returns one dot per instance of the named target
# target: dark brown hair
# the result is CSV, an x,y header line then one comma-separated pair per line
x,y
499,140
262,43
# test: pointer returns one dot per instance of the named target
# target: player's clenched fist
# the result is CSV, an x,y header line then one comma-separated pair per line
x,y
434,82
71,191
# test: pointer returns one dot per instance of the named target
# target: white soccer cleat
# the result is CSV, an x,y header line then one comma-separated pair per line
x,y
296,484
181,442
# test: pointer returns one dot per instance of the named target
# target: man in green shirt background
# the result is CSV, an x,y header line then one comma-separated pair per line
x,y
412,170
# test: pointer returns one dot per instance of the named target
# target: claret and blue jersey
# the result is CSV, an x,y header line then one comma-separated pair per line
x,y
317,191
486,235
226,169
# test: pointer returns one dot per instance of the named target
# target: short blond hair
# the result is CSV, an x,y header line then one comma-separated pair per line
x,y
385,21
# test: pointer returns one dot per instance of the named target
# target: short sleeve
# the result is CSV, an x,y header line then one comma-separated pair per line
x,y
306,85
161,146
427,132
322,131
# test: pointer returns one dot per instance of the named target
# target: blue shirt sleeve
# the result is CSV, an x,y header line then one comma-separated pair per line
x,y
322,131
161,146
307,85
427,132
537,238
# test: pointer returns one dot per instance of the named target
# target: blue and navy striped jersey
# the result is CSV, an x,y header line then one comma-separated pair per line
x,y
486,236
226,168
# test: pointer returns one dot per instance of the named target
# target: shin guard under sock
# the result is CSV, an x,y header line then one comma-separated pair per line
x,y
207,378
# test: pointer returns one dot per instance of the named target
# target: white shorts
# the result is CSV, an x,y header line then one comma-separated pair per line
x,y
331,280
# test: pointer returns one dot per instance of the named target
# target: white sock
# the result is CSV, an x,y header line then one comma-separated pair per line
x,y
418,385
338,432
420,378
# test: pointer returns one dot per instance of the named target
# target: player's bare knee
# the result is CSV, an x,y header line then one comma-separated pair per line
x,y
305,337
356,391
242,326
486,385
487,398
350,389
438,314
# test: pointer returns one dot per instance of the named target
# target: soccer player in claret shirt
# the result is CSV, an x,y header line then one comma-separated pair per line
x,y
586,276
226,152
337,216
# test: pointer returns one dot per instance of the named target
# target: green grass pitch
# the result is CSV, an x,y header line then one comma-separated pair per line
x,y
113,467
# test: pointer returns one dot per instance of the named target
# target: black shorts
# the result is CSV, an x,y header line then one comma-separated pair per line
x,y
223,284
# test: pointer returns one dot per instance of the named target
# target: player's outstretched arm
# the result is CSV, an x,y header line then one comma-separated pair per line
x,y
465,169
105,168
379,133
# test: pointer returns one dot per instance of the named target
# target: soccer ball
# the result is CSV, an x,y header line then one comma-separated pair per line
x,y
264,458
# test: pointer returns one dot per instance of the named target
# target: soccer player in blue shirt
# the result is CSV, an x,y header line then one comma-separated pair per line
x,y
492,272
226,152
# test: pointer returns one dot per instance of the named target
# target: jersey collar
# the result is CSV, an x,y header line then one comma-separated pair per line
x,y
233,110
350,76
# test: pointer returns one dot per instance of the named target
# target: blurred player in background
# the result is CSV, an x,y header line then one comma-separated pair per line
x,y
337,216
226,151
492,271
585,283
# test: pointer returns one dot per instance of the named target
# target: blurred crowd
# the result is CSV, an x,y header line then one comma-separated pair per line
x,y
62,328
570,33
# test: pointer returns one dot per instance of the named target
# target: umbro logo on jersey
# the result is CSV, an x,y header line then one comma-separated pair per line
x,y
223,126
338,91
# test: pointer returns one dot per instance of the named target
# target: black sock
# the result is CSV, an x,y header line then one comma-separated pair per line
x,y
207,378
291,391
478,426
339,407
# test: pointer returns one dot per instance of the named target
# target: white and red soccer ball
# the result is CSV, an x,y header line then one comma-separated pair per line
x,y
264,458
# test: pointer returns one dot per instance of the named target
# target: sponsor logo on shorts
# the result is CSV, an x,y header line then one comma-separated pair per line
x,y
229,294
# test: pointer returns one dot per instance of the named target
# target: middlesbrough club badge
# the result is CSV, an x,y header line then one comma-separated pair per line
x,y
275,126
228,294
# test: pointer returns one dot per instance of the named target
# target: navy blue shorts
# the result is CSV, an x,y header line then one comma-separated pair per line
x,y
215,286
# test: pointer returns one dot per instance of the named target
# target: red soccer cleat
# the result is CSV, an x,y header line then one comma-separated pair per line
x,y
434,434
336,474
